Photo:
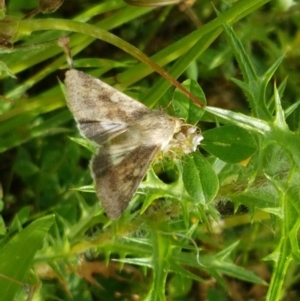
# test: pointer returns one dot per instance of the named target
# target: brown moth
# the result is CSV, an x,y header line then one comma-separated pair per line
x,y
128,133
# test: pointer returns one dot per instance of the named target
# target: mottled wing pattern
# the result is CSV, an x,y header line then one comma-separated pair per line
x,y
130,134
101,111
118,174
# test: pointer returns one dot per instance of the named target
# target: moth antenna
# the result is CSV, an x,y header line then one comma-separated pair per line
x,y
163,109
170,102
183,122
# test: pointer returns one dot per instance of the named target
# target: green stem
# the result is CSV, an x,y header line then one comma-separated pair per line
x,y
160,264
280,268
28,26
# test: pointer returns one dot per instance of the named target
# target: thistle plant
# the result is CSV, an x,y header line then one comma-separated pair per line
x,y
172,242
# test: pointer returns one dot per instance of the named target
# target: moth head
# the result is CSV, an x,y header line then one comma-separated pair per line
x,y
185,140
188,139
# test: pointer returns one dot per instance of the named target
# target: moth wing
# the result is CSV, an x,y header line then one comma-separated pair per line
x,y
118,173
101,111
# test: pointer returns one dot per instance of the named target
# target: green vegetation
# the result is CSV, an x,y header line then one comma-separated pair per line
x,y
218,224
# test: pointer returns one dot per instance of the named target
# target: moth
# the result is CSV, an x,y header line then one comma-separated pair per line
x,y
128,133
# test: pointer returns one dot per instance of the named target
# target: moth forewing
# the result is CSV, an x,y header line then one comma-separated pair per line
x,y
116,184
129,133
101,111
119,167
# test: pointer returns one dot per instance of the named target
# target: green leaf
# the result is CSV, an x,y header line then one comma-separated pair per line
x,y
253,86
231,144
85,143
291,217
19,219
241,56
280,116
252,124
184,107
17,255
5,69
199,179
23,166
179,286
